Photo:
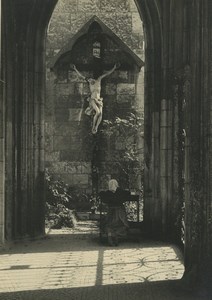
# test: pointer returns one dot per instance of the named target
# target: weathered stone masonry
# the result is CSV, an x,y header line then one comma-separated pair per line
x,y
178,34
69,145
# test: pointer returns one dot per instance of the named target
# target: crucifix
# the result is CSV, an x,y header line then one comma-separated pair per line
x,y
95,100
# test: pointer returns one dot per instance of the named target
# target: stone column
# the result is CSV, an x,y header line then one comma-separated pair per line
x,y
198,200
24,67
2,146
166,152
176,223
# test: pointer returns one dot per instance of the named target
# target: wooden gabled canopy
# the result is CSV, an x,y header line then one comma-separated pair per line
x,y
104,31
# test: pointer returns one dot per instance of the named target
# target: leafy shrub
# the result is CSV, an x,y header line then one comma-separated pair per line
x,y
79,200
59,208
130,160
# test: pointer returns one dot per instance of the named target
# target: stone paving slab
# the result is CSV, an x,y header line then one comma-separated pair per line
x,y
72,264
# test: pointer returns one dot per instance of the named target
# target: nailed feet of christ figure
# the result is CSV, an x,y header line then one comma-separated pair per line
x,y
95,100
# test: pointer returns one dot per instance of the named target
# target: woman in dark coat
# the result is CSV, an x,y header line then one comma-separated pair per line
x,y
117,223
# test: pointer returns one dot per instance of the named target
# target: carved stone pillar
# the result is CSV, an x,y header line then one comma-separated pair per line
x,y
198,196
178,194
166,165
24,67
2,147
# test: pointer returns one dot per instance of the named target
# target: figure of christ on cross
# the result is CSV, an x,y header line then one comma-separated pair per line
x,y
95,100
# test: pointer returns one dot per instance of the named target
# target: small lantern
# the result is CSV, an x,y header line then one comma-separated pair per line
x,y
97,49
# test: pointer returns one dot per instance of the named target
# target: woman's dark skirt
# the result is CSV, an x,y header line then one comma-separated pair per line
x,y
117,223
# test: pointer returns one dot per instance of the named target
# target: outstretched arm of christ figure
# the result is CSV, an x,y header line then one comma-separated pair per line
x,y
78,73
109,72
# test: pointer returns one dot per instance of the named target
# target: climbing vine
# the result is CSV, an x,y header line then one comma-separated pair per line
x,y
130,159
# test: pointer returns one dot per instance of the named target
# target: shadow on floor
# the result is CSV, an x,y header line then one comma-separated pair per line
x,y
163,290
73,264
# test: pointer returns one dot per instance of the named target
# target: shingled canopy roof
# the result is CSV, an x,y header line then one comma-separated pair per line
x,y
105,30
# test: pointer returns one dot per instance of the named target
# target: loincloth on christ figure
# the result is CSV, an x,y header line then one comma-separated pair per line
x,y
90,109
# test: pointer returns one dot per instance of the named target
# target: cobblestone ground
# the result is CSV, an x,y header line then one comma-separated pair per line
x,y
73,265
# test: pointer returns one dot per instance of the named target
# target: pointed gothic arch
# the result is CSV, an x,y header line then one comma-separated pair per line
x,y
173,40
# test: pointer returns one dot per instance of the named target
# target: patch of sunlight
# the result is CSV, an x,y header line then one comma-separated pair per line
x,y
141,264
85,267
50,270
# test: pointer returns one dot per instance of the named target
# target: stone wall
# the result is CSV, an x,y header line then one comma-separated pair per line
x,y
69,143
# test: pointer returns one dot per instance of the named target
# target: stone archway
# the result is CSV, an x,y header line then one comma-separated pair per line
x,y
177,34
26,119
28,59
